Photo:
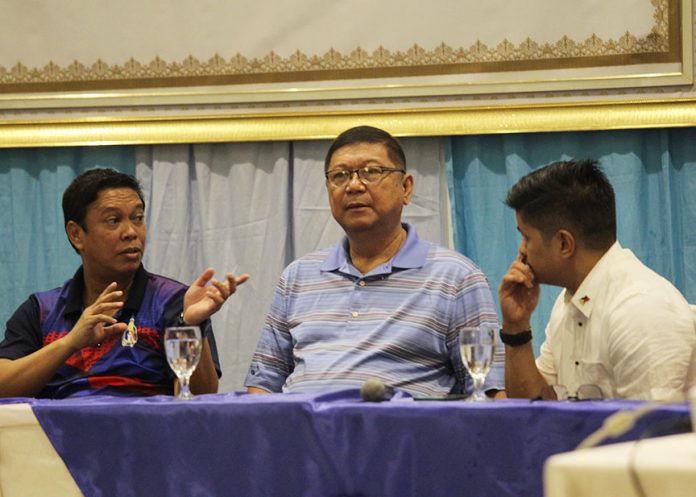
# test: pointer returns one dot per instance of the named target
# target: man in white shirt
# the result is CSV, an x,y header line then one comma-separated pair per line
x,y
617,324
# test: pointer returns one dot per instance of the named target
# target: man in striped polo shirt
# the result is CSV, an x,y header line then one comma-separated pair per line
x,y
383,303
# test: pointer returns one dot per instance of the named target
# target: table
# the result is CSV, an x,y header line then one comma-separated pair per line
x,y
664,466
316,445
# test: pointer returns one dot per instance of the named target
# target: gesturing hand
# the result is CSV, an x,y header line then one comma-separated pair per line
x,y
97,321
202,300
519,295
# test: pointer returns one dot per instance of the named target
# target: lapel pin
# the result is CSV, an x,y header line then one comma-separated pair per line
x,y
130,336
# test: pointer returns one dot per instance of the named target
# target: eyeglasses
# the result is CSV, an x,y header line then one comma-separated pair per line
x,y
560,392
367,174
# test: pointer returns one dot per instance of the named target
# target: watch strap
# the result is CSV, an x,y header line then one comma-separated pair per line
x,y
516,339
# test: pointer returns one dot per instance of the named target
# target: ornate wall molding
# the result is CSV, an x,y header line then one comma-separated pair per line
x,y
326,125
96,71
660,44
342,49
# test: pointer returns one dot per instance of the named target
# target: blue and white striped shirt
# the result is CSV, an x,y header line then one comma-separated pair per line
x,y
331,327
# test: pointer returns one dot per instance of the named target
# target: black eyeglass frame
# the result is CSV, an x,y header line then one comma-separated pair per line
x,y
331,175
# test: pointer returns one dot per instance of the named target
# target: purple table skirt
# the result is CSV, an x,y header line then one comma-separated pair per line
x,y
308,445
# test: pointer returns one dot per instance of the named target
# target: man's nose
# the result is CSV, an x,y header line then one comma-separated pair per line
x,y
523,249
129,230
354,182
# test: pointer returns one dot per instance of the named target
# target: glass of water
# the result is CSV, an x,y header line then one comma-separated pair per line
x,y
183,346
477,345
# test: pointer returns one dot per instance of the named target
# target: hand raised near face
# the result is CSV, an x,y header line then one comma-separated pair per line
x,y
97,321
202,300
519,295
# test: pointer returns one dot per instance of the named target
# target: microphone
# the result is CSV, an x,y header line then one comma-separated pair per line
x,y
373,390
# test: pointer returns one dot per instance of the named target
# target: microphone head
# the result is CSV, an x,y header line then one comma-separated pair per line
x,y
373,390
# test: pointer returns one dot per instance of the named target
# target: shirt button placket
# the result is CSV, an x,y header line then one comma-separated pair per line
x,y
579,340
360,284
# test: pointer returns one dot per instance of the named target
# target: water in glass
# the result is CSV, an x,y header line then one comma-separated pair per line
x,y
183,347
477,346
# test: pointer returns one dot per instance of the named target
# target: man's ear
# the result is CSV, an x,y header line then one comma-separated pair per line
x,y
407,183
567,243
75,234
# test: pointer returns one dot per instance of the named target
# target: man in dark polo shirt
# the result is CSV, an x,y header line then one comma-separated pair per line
x,y
69,341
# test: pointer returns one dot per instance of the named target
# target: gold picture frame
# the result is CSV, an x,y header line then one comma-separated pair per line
x,y
305,96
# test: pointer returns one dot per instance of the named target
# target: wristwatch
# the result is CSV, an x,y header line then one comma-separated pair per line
x,y
516,339
180,321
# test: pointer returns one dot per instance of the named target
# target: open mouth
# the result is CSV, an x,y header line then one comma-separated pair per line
x,y
132,251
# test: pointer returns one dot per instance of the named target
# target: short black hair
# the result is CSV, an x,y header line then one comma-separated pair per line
x,y
574,195
368,134
85,189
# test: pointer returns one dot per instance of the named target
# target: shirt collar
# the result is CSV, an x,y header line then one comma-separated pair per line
x,y
131,306
412,254
584,298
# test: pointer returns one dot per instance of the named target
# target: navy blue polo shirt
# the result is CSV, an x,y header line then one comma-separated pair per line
x,y
154,303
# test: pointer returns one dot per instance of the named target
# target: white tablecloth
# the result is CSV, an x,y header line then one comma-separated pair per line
x,y
665,467
29,465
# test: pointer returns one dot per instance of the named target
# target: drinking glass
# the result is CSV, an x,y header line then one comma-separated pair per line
x,y
477,345
182,345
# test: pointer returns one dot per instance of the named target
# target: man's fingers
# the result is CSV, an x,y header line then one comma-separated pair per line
x,y
109,294
237,281
115,328
233,282
521,266
514,278
204,278
109,288
100,307
222,288
523,274
216,296
95,319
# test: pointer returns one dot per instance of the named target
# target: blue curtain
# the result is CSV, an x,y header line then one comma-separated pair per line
x,y
34,250
653,173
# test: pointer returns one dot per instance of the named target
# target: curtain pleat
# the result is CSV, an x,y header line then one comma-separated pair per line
x,y
223,206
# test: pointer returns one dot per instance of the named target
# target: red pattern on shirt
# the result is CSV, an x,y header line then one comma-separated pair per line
x,y
87,357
